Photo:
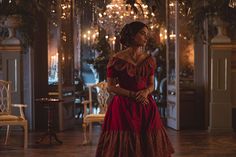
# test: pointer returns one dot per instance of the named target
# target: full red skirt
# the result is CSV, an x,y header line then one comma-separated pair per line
x,y
131,129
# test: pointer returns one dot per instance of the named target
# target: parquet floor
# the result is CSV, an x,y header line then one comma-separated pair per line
x,y
186,143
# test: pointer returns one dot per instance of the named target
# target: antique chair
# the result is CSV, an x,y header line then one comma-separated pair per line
x,y
89,116
6,116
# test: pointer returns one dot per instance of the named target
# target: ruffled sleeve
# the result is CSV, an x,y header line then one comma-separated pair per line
x,y
152,64
146,68
111,72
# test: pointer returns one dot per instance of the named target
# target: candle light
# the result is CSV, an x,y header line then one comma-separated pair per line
x,y
106,37
93,38
113,45
84,38
90,36
89,42
172,35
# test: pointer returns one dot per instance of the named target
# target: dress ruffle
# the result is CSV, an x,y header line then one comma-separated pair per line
x,y
142,69
132,144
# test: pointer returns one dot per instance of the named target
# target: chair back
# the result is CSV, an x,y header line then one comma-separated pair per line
x,y
5,97
102,96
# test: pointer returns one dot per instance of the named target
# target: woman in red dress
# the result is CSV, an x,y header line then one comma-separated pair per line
x,y
132,126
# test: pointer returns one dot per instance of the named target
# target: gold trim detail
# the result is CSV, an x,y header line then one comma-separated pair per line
x,y
10,48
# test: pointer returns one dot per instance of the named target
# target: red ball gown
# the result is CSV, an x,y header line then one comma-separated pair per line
x,y
132,129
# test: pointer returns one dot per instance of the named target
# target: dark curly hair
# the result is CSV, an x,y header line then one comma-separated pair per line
x,y
129,31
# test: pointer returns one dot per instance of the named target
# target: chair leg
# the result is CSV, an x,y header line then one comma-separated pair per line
x,y
85,136
7,134
26,135
90,131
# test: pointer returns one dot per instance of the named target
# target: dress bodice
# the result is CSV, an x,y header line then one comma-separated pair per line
x,y
130,76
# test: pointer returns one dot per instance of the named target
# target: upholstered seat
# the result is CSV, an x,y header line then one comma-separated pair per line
x,y
10,118
90,117
94,118
6,116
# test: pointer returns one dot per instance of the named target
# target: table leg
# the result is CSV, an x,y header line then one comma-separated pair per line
x,y
50,134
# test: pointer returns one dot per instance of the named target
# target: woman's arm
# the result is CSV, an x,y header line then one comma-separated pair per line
x,y
150,87
142,95
113,88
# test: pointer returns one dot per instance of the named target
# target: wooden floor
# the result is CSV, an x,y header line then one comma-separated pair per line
x,y
186,144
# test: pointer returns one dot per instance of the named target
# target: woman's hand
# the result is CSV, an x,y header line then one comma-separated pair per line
x,y
142,96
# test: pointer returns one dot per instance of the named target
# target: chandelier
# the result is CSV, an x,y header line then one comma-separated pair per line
x,y
118,13
91,33
65,9
90,36
232,3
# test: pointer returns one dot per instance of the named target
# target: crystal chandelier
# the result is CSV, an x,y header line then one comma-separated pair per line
x,y
232,3
90,36
118,13
65,9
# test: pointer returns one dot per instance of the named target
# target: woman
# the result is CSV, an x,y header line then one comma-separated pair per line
x,y
132,126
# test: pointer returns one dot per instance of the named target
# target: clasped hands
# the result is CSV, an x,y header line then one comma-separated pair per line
x,y
140,96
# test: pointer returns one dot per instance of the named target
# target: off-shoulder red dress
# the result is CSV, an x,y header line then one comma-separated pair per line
x,y
132,129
